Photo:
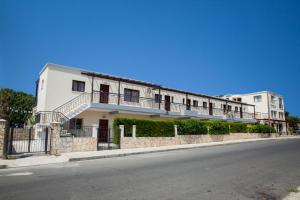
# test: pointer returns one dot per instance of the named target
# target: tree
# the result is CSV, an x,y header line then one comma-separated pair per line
x,y
292,121
15,107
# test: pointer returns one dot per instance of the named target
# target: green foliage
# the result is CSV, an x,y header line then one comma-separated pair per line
x,y
15,107
293,121
144,128
218,127
238,127
260,128
191,127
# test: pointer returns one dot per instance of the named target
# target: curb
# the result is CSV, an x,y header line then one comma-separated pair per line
x,y
162,150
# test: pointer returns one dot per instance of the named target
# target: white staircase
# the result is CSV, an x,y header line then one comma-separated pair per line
x,y
75,106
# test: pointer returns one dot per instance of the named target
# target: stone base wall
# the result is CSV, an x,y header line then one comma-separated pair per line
x,y
139,142
74,144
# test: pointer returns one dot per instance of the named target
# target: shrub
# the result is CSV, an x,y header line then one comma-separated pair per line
x,y
218,127
260,128
191,127
144,128
238,127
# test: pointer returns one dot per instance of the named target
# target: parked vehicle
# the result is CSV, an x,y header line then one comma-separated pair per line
x,y
297,131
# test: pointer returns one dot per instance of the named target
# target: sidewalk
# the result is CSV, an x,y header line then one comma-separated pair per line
x,y
77,156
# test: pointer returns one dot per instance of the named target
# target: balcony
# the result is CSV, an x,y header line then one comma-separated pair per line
x,y
113,102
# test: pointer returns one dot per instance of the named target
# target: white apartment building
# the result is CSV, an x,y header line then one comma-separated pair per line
x,y
269,107
91,99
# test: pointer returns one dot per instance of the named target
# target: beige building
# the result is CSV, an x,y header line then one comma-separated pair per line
x,y
269,107
91,99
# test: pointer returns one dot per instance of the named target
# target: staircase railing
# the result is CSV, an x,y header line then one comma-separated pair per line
x,y
73,104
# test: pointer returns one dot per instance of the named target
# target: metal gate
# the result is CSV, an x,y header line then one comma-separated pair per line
x,y
29,140
106,139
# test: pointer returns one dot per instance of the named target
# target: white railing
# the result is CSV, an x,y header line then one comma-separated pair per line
x,y
74,104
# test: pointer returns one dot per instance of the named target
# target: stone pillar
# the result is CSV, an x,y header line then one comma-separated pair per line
x,y
175,130
3,137
95,130
55,139
121,135
134,131
121,129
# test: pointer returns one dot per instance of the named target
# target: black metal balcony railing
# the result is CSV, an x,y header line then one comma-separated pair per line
x,y
147,102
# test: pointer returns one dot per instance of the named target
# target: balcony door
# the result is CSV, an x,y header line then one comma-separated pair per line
x,y
210,108
167,103
188,104
104,93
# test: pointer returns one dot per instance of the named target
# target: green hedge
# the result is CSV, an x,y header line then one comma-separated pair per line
x,y
144,128
159,128
191,127
238,127
260,128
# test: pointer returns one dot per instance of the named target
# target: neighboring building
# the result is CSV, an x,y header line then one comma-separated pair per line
x,y
87,98
269,107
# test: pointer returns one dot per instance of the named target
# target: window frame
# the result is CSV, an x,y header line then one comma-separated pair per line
x,y
76,123
257,100
76,86
195,103
129,95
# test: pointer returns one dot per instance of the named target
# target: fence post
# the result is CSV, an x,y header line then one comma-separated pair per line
x,y
55,139
3,138
29,139
175,130
11,138
134,131
121,134
46,140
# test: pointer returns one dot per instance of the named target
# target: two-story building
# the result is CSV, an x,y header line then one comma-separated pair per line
x,y
91,99
269,107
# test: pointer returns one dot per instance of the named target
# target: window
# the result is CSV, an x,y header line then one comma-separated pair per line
x,y
224,107
78,86
131,95
157,98
281,115
273,114
257,98
229,108
239,99
204,104
280,103
183,101
75,123
195,103
42,85
172,99
236,109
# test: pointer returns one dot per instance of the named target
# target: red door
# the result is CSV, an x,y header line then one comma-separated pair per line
x,y
103,130
104,93
167,103
188,104
210,109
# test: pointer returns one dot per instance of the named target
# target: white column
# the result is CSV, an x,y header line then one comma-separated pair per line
x,y
175,130
121,127
95,130
134,131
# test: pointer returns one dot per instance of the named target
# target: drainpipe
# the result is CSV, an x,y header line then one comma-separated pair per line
x,y
119,89
92,94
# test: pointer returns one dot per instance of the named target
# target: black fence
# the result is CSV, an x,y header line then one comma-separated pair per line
x,y
28,140
106,140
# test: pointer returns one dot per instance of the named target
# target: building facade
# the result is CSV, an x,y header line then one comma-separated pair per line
x,y
90,99
269,107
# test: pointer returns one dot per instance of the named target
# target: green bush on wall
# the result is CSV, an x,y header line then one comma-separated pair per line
x,y
238,127
160,128
260,128
218,127
144,128
191,127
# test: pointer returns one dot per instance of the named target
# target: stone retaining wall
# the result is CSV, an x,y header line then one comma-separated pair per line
x,y
2,134
139,142
74,144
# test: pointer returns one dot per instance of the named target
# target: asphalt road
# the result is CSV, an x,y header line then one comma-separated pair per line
x,y
255,170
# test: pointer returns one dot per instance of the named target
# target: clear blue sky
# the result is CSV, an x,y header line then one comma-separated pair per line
x,y
210,47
